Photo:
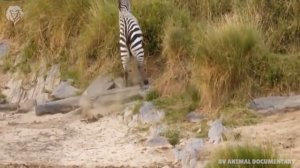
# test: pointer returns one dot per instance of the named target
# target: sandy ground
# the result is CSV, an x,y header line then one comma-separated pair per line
x,y
63,140
282,131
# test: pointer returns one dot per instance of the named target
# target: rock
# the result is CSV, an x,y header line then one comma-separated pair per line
x,y
98,86
149,114
274,104
37,92
64,90
60,106
194,117
158,142
158,130
9,107
4,50
52,79
188,155
215,132
13,90
127,115
27,106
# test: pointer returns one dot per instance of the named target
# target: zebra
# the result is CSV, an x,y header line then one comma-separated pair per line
x,y
131,41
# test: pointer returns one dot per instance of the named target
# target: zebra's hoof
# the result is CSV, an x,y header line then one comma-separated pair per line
x,y
146,82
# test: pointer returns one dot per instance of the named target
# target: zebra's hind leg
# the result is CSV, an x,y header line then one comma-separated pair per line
x,y
125,57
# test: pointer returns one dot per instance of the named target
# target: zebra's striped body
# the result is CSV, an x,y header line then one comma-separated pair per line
x,y
131,41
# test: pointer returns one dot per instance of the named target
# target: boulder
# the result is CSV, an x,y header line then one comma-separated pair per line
x,y
4,50
216,131
9,107
13,90
52,79
274,104
158,142
64,90
157,130
60,106
194,117
188,154
149,114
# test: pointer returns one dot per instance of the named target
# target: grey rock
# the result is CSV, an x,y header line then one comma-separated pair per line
x,y
52,79
27,106
64,90
8,107
4,49
194,117
60,106
188,154
158,141
37,91
149,114
158,130
19,91
13,90
274,104
216,132
127,114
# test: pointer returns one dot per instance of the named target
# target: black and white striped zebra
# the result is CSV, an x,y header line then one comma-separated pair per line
x,y
131,41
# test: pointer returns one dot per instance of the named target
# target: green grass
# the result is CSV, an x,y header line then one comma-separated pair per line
x,y
2,96
173,136
235,116
244,152
137,107
152,95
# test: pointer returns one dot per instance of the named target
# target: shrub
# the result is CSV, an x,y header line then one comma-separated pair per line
x,y
173,136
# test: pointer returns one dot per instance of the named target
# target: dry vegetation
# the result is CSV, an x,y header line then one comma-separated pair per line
x,y
209,52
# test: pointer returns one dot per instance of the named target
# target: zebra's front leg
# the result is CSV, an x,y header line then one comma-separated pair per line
x,y
143,80
126,77
125,62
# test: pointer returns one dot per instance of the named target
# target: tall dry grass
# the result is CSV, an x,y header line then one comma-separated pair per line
x,y
224,50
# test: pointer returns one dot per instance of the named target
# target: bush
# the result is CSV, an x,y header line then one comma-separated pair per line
x,y
231,61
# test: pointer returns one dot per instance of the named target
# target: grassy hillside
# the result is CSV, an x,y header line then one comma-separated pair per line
x,y
219,51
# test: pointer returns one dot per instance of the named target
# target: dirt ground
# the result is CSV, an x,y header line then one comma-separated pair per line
x,y
282,131
64,141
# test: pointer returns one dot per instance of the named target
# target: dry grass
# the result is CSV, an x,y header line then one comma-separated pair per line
x,y
226,50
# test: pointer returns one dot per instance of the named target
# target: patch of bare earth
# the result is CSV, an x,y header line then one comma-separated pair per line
x,y
282,131
64,141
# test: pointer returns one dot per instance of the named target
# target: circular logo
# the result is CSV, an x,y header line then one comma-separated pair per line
x,y
14,14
